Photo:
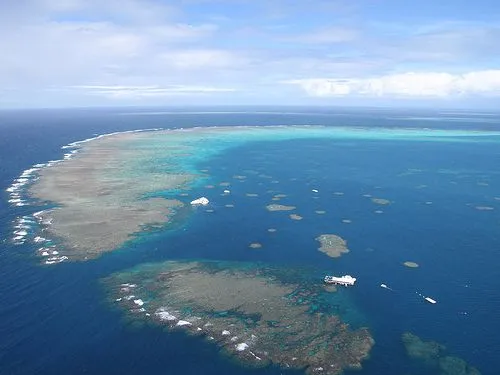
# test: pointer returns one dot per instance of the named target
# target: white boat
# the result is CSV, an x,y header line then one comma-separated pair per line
x,y
200,201
430,300
345,280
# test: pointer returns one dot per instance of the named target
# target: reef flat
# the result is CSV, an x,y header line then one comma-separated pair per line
x,y
258,314
117,186
100,200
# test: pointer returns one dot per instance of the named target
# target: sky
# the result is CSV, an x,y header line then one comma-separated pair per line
x,y
66,53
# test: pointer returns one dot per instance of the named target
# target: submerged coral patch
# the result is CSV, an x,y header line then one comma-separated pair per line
x,y
411,264
435,357
332,245
484,208
381,201
279,207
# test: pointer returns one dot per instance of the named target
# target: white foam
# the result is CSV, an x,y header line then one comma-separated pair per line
x,y
45,254
241,346
225,333
129,285
56,259
29,172
139,302
181,323
128,298
21,233
78,144
163,314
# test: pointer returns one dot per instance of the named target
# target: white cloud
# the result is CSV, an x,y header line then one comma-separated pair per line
x,y
43,52
430,84
137,92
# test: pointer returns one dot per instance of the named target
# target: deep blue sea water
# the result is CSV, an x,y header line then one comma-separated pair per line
x,y
56,319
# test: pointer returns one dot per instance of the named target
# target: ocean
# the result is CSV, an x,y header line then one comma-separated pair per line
x,y
443,216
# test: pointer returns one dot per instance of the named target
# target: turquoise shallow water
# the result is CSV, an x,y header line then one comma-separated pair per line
x,y
57,320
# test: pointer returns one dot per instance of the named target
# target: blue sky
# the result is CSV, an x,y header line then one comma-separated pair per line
x,y
60,53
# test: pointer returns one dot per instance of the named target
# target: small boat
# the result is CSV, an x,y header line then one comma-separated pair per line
x,y
430,300
200,201
345,280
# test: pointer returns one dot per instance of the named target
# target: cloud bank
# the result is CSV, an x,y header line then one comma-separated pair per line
x,y
411,84
91,52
